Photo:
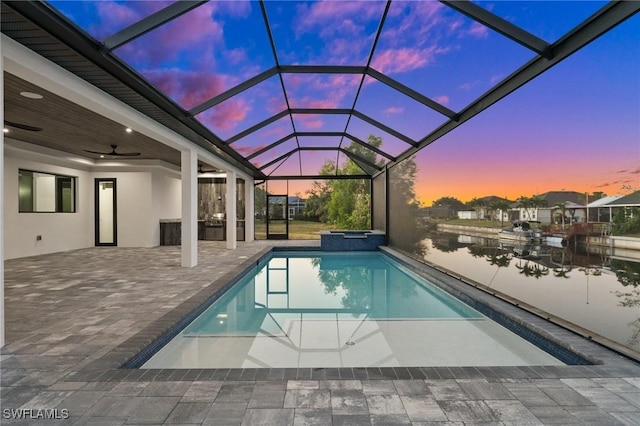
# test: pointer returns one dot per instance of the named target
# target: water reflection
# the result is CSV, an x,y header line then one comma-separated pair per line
x,y
357,286
559,280
562,260
341,310
355,281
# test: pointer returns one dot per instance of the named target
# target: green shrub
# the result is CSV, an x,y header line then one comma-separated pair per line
x,y
626,221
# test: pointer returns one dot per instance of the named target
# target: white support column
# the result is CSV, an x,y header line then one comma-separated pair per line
x,y
231,211
2,322
189,169
250,208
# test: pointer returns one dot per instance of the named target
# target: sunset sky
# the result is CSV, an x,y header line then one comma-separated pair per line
x,y
576,127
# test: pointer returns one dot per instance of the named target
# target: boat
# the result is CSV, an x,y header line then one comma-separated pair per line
x,y
520,230
521,249
556,241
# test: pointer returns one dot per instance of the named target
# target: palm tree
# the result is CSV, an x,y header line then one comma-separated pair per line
x,y
562,206
561,272
526,269
540,271
499,260
524,202
490,211
537,202
501,206
477,205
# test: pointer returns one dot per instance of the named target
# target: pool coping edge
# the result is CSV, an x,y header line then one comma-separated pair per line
x,y
117,364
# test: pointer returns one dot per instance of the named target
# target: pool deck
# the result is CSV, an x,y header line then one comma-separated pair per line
x,y
72,318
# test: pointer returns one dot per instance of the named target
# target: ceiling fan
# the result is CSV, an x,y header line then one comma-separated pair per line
x,y
114,153
22,126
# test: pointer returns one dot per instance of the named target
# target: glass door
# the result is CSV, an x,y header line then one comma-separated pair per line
x,y
277,217
105,212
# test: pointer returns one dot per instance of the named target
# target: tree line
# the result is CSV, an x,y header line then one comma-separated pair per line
x,y
496,207
344,202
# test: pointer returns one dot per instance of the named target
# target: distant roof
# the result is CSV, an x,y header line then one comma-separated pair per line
x,y
604,201
632,199
555,197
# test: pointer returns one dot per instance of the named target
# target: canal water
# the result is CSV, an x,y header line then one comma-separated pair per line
x,y
583,285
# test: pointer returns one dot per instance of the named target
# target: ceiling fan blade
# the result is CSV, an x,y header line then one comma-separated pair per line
x,y
114,153
23,126
97,152
125,154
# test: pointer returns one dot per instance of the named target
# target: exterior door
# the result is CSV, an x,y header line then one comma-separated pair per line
x,y
277,217
105,212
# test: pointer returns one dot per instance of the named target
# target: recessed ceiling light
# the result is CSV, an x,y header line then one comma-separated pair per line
x,y
101,156
128,130
5,130
31,95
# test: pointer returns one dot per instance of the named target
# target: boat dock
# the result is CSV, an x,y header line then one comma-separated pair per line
x,y
579,232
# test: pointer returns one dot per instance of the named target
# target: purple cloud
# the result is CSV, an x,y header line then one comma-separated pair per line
x,y
468,85
393,110
321,90
420,17
442,99
406,59
478,30
248,150
115,16
495,78
310,121
188,88
307,102
225,116
171,40
417,33
326,14
344,31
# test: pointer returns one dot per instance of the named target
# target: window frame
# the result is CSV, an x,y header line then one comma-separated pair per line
x,y
58,200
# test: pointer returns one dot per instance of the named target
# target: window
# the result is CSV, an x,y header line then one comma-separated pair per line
x,y
46,192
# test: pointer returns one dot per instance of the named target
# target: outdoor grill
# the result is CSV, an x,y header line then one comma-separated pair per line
x,y
215,227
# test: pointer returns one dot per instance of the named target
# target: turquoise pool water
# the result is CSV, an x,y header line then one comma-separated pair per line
x,y
316,309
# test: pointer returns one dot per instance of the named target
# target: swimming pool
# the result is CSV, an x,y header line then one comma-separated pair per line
x,y
356,309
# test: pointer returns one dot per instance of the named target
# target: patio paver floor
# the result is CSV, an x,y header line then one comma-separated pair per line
x,y
72,317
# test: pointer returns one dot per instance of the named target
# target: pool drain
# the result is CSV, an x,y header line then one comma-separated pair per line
x,y
350,343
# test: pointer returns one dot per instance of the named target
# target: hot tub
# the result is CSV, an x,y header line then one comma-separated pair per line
x,y
351,240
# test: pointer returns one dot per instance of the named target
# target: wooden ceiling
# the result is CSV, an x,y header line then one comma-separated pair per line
x,y
71,128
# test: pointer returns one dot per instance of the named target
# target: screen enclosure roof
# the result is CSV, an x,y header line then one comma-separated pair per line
x,y
282,87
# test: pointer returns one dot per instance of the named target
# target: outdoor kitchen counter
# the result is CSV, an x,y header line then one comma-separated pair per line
x,y
170,231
